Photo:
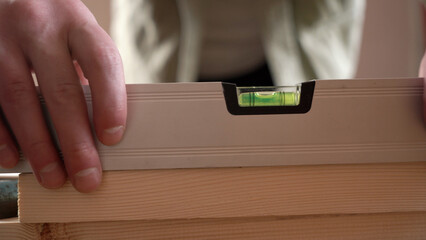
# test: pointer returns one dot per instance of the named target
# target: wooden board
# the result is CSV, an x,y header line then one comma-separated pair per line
x,y
231,192
389,226
188,126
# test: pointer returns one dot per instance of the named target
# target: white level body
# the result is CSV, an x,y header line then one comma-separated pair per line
x,y
187,125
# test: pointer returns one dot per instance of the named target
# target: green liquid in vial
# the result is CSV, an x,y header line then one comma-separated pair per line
x,y
262,99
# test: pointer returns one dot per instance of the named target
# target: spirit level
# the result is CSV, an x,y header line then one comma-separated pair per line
x,y
204,125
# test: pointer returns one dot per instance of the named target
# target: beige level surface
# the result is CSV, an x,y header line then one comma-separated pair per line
x,y
231,192
188,126
387,226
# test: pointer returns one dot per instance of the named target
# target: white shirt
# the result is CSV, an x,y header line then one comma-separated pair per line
x,y
231,41
178,40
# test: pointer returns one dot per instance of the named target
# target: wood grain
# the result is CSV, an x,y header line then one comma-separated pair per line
x,y
339,227
231,192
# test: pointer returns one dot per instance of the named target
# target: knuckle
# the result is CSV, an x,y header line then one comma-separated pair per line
x,y
32,11
65,93
31,15
106,58
38,145
79,151
16,93
44,19
39,150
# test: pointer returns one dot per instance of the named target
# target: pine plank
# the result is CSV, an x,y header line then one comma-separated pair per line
x,y
231,192
339,227
11,229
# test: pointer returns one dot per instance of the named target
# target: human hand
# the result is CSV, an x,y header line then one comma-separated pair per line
x,y
45,36
422,73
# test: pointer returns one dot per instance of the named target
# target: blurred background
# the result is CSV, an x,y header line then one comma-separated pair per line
x,y
392,46
392,42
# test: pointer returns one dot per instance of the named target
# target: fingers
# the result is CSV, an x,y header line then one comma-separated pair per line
x,y
50,48
67,108
8,152
422,72
101,64
21,107
424,100
50,56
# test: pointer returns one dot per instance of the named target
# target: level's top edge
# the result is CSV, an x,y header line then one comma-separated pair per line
x,y
353,85
369,83
216,87
174,87
321,83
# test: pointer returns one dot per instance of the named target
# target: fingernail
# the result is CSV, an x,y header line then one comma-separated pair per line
x,y
114,130
112,135
7,157
52,175
87,180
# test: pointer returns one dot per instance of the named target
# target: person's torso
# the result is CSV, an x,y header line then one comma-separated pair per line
x,y
231,39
